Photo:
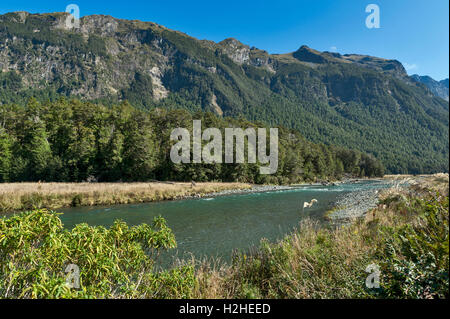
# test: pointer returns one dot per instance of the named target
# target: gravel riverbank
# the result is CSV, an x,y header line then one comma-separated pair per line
x,y
354,205
357,203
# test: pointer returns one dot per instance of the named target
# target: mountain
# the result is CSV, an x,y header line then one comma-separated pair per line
x,y
438,88
356,101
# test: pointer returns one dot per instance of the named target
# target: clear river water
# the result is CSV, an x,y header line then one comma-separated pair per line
x,y
214,227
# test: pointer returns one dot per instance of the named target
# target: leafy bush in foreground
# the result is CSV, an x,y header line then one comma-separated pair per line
x,y
417,254
35,251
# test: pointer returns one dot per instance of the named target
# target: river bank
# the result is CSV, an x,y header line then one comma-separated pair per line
x,y
358,203
354,205
25,196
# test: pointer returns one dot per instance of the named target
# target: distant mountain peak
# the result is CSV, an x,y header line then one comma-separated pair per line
x,y
306,54
438,88
232,42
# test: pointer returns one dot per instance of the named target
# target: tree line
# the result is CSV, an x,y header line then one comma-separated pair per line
x,y
73,141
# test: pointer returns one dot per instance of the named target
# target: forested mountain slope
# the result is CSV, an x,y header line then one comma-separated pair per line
x,y
356,101
73,141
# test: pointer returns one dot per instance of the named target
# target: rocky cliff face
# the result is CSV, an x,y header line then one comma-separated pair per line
x,y
100,59
103,57
350,100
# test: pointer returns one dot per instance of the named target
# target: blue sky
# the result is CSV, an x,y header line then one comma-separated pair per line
x,y
415,32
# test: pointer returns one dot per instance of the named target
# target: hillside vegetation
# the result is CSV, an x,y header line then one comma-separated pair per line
x,y
354,101
74,141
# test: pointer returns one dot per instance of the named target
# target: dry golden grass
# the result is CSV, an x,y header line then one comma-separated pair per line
x,y
24,196
437,182
322,258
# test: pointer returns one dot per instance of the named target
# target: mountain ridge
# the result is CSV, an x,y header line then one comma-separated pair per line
x,y
357,101
438,88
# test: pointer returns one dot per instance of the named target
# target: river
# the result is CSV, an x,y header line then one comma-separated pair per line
x,y
214,227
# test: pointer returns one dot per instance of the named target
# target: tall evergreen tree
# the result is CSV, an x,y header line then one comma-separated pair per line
x,y
5,155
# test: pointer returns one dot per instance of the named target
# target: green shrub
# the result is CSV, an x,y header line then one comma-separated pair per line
x,y
32,201
35,251
76,200
416,255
